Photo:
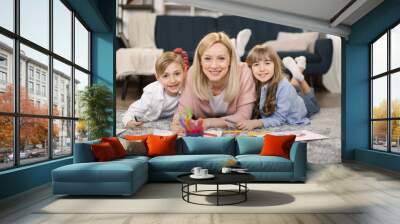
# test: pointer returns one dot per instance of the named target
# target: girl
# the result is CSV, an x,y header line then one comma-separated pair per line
x,y
219,89
160,98
278,102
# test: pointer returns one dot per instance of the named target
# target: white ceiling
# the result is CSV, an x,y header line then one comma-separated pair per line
x,y
316,15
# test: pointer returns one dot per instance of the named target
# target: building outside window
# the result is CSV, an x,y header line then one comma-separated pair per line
x,y
30,87
385,95
3,72
33,74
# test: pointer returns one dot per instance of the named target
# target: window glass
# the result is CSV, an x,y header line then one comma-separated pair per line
x,y
395,95
33,140
81,45
395,47
6,74
379,135
379,98
62,141
62,29
39,62
379,56
6,142
81,81
62,91
7,14
34,21
395,136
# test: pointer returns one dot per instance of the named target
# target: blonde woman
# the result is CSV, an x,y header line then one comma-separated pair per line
x,y
218,89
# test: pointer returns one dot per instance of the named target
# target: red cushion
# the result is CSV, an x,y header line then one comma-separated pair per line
x,y
116,145
277,145
103,151
161,145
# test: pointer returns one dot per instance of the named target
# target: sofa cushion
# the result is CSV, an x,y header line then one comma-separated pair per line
x,y
249,145
261,31
257,163
185,163
116,145
103,151
161,145
112,171
277,145
203,145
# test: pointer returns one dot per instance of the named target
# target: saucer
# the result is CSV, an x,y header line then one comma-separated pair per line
x,y
208,176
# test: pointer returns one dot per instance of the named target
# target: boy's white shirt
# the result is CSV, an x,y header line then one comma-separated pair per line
x,y
150,105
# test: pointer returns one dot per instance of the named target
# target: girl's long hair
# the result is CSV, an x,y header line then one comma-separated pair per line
x,y
261,53
200,81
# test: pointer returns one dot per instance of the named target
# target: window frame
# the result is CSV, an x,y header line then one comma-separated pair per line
x,y
388,74
16,114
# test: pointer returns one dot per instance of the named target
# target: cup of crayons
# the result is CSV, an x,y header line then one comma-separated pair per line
x,y
192,127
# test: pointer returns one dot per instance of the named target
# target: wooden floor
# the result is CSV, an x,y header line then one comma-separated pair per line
x,y
378,189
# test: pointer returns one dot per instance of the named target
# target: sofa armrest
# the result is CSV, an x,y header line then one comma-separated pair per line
x,y
83,152
324,48
298,155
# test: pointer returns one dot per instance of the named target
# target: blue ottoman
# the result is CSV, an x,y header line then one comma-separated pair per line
x,y
118,177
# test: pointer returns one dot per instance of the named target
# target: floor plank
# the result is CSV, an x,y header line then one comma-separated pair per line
x,y
377,190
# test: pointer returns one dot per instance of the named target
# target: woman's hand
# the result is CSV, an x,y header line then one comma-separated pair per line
x,y
134,124
249,124
214,123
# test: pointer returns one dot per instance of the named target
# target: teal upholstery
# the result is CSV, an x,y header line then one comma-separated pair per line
x,y
83,152
196,145
119,177
249,145
185,163
125,176
259,163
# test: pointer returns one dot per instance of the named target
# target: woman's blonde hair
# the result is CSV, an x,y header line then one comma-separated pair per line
x,y
261,53
200,83
166,59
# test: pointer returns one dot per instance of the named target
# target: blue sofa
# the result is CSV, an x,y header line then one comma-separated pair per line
x,y
186,32
125,176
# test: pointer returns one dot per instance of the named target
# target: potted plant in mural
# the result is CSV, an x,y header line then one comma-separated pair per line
x,y
96,104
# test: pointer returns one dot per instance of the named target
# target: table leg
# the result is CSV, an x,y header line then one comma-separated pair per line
x,y
217,194
245,193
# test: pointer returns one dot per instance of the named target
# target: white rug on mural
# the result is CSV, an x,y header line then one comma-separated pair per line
x,y
166,198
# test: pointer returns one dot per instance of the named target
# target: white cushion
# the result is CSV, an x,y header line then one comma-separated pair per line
x,y
300,38
287,45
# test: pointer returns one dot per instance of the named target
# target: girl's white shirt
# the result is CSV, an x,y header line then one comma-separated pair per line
x,y
154,103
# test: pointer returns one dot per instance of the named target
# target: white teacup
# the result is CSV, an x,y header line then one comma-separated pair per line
x,y
203,172
226,170
196,171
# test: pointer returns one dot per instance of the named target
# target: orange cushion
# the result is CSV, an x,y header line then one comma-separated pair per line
x,y
103,151
136,137
161,145
116,145
277,145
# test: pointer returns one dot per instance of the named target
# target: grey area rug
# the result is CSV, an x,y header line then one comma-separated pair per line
x,y
326,122
166,198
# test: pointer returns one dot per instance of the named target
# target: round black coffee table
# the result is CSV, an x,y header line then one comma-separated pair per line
x,y
238,179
